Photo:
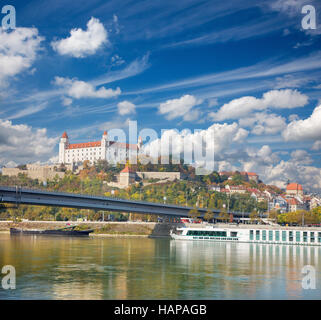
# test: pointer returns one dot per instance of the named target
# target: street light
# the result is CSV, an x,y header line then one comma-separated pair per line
x,y
164,200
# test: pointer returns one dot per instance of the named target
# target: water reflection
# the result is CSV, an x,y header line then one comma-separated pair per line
x,y
251,271
128,268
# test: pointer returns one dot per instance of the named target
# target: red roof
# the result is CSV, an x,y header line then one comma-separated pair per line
x,y
127,170
64,135
84,145
294,186
105,133
292,201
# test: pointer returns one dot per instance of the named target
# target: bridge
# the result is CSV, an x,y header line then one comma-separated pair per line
x,y
17,195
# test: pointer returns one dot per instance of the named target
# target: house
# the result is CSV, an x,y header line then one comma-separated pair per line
x,y
235,189
278,203
295,204
294,189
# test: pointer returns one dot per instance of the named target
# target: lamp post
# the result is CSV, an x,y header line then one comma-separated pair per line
x,y
164,200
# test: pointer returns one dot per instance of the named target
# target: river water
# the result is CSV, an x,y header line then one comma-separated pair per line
x,y
141,268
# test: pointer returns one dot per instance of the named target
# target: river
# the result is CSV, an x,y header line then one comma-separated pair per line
x,y
142,268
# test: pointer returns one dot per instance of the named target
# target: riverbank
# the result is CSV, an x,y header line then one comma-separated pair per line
x,y
101,229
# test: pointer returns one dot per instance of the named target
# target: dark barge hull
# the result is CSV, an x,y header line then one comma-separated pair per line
x,y
51,232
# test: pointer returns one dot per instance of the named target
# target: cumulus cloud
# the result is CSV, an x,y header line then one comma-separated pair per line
x,y
308,129
316,145
308,176
23,144
80,89
126,107
242,107
18,51
224,136
82,43
264,123
180,108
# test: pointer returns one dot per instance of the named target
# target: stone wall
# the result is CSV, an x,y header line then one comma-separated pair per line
x,y
42,173
159,175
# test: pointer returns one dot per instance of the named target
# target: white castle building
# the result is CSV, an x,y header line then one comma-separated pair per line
x,y
112,151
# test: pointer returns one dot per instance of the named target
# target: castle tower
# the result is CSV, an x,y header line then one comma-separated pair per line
x,y
62,147
104,145
127,176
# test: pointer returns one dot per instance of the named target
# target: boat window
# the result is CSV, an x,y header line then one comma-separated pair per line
x,y
251,234
297,236
233,234
277,235
305,236
270,235
290,235
311,236
263,235
283,235
319,236
257,235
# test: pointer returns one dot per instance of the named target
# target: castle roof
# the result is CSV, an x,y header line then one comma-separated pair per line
x,y
127,170
84,145
294,186
105,133
64,135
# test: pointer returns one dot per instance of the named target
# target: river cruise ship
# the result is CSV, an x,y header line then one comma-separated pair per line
x,y
272,235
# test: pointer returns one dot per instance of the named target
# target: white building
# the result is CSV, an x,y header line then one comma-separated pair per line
x,y
112,151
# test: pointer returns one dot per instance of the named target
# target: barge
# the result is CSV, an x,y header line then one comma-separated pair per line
x,y
67,231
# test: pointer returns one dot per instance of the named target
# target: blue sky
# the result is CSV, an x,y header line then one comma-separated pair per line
x,y
246,69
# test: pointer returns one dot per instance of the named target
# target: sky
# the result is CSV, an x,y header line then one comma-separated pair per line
x,y
245,69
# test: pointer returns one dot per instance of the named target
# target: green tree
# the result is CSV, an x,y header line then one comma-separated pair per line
x,y
193,214
209,215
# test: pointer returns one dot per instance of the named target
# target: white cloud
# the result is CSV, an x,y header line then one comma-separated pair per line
x,y
28,111
80,89
83,43
126,107
242,107
66,101
301,156
18,51
316,145
224,136
182,107
308,176
308,129
23,144
290,7
264,123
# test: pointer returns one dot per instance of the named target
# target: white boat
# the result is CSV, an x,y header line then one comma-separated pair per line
x,y
269,235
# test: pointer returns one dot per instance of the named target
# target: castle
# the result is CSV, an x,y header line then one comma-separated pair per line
x,y
112,151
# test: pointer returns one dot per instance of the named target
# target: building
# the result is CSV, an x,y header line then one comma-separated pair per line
x,y
112,151
127,176
248,176
294,189
278,203
295,204
235,189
